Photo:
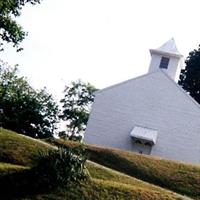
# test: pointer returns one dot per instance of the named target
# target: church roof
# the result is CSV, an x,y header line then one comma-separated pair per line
x,y
168,48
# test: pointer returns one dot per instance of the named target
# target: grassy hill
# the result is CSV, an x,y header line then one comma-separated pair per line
x,y
17,156
7,168
19,149
104,184
176,176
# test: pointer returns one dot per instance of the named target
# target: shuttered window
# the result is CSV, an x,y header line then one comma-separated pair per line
x,y
164,63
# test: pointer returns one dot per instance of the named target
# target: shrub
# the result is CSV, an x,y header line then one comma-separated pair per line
x,y
62,166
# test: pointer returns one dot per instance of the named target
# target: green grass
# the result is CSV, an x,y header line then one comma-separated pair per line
x,y
108,184
178,177
105,174
16,177
104,184
102,190
19,149
7,168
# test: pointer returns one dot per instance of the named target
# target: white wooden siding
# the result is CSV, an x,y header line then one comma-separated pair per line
x,y
152,101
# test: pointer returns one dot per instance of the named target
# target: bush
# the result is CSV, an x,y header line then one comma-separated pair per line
x,y
62,166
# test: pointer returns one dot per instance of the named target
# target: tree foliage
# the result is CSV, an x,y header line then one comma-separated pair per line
x,y
25,110
190,76
10,30
76,104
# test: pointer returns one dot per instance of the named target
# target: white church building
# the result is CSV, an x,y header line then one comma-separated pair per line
x,y
150,114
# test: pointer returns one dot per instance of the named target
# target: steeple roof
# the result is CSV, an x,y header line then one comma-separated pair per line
x,y
168,48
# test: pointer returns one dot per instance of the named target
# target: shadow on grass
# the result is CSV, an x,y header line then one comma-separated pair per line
x,y
20,184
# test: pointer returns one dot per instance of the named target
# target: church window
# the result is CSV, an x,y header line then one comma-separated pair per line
x,y
164,63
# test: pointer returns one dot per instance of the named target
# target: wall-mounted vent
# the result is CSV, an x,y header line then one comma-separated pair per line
x,y
144,134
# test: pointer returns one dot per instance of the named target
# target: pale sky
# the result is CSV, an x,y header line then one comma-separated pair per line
x,y
101,42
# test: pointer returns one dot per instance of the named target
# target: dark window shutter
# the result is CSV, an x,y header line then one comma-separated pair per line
x,y
164,63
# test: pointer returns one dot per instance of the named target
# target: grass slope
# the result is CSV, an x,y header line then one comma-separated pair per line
x,y
19,149
102,190
175,176
7,168
104,184
103,173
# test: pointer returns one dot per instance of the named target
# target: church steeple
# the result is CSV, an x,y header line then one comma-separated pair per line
x,y
167,58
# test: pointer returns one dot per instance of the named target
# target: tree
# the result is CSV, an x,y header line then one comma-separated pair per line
x,y
10,30
190,76
76,104
25,110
